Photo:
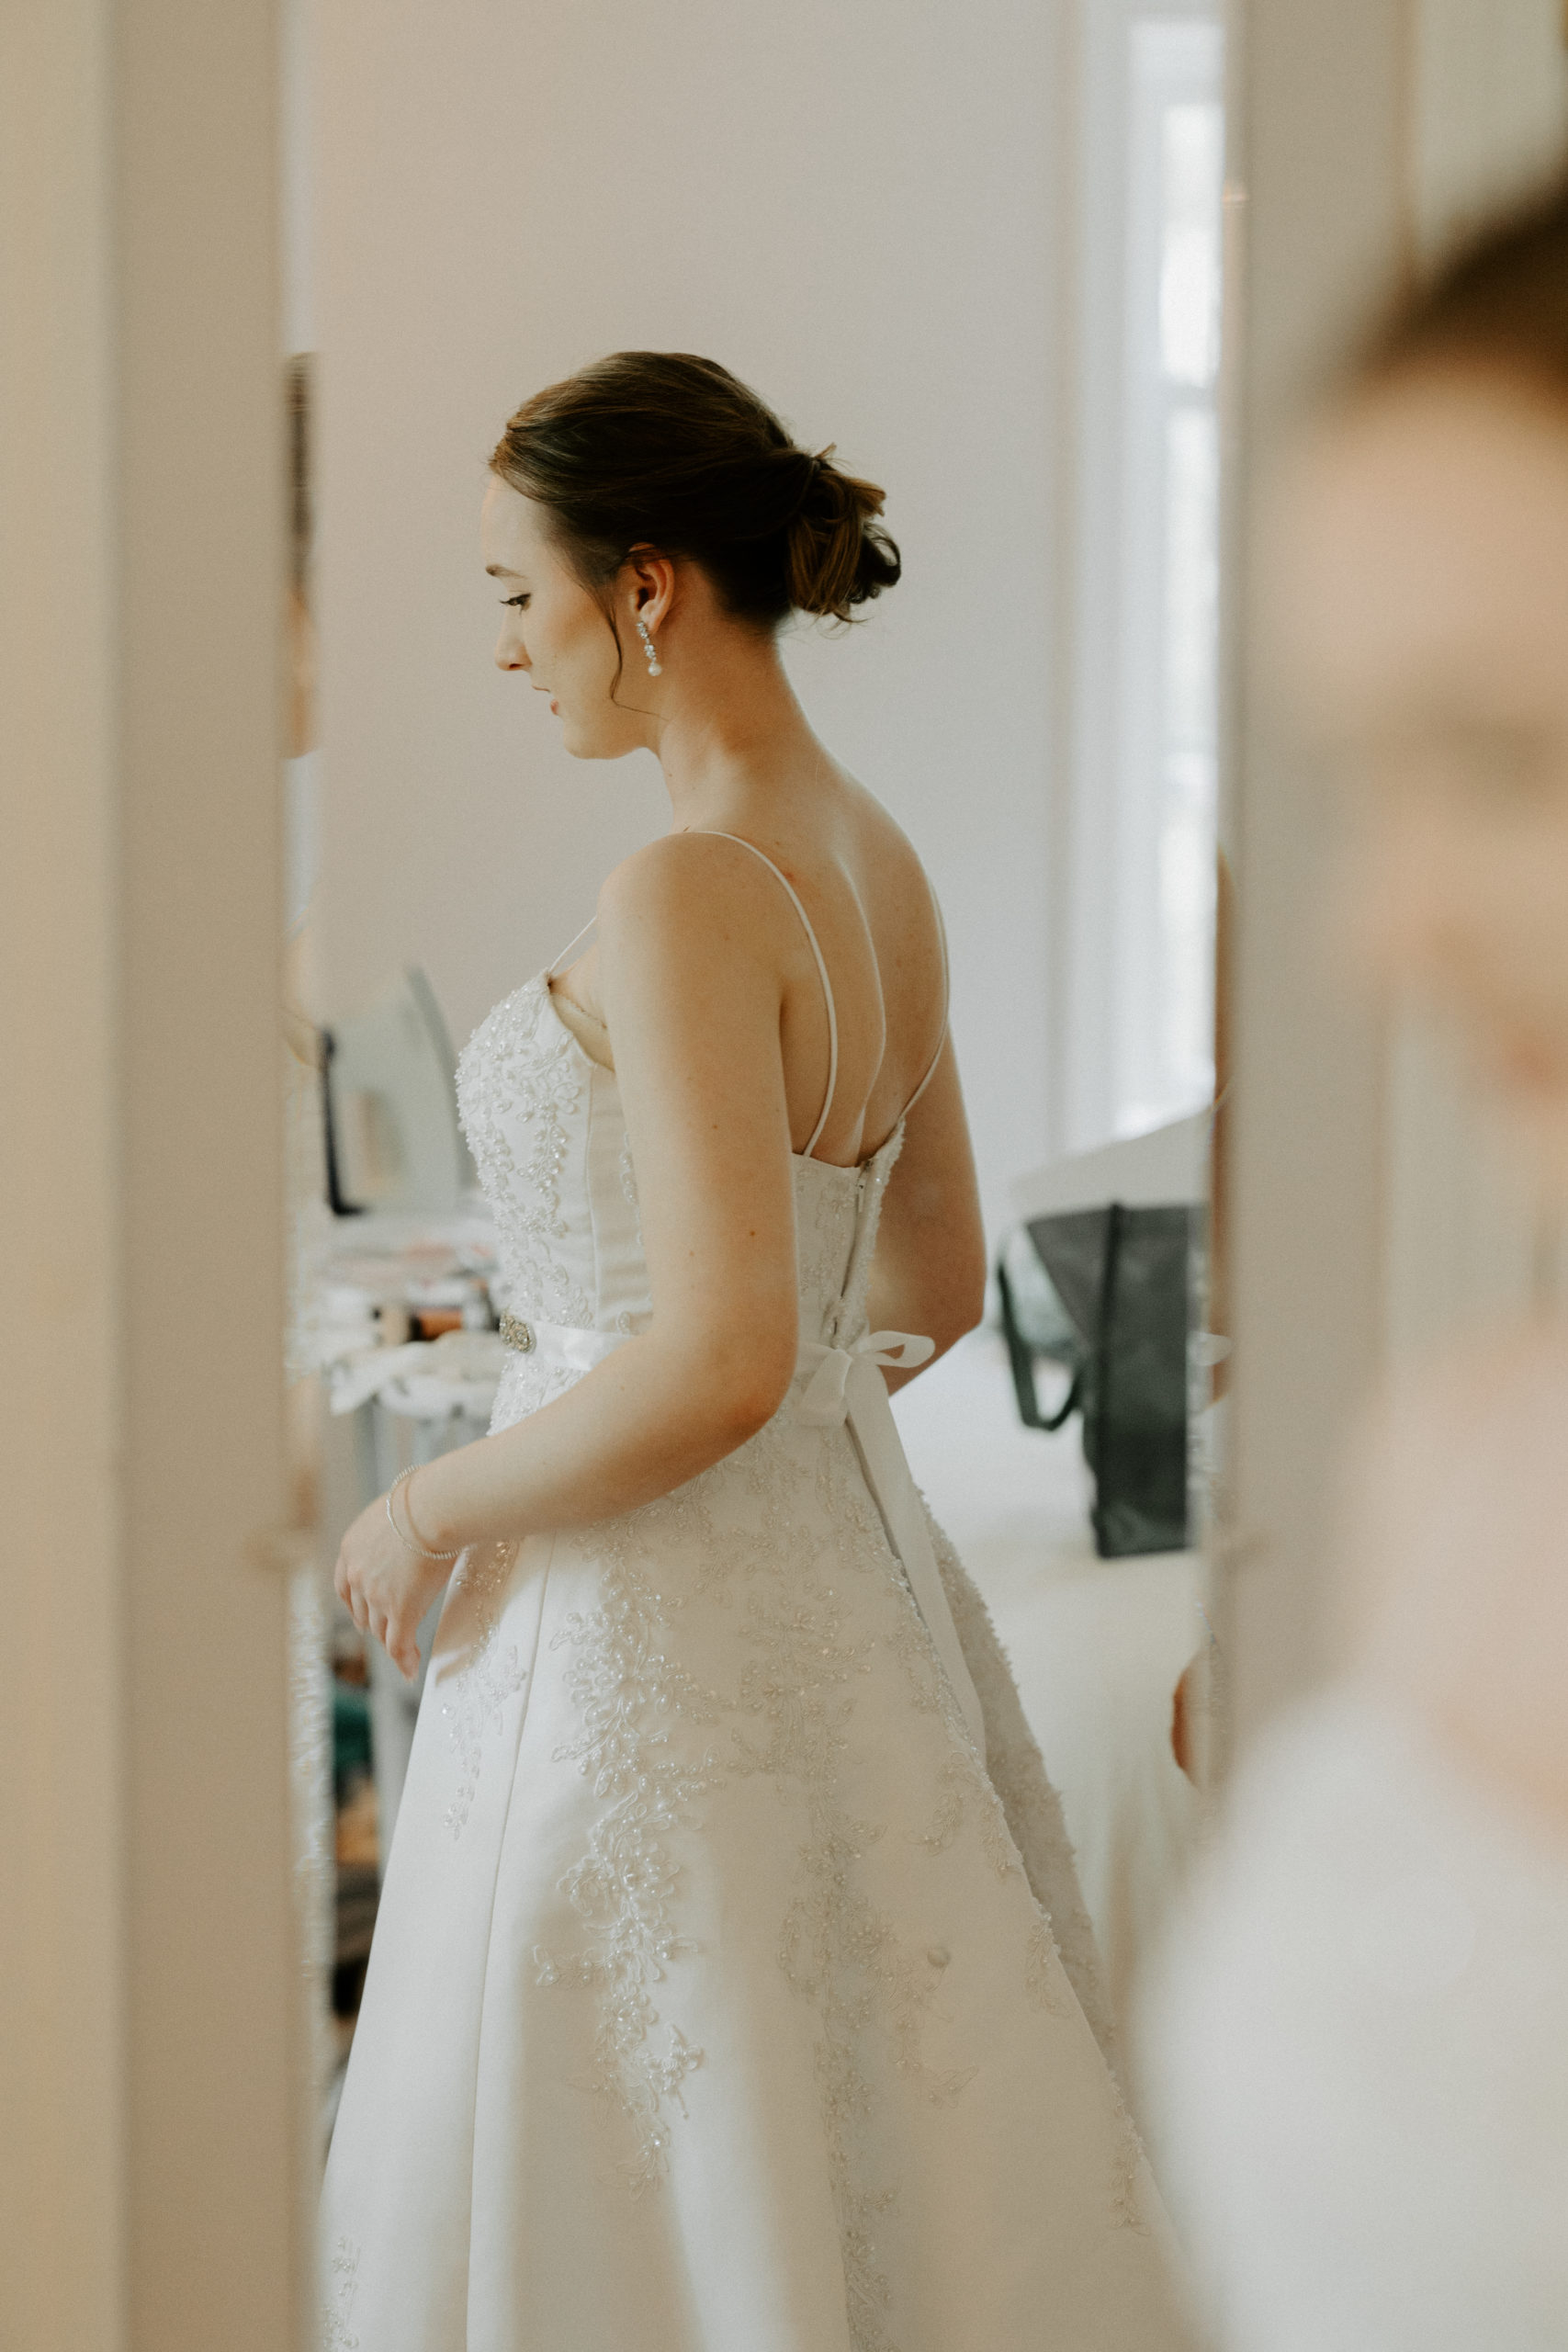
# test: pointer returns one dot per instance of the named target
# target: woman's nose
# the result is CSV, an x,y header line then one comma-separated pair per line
x,y
509,652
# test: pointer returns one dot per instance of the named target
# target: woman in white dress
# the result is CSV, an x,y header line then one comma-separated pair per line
x,y
1364,2027
731,1990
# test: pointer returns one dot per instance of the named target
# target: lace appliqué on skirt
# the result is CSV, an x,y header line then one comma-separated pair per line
x,y
494,1673
337,2314
632,1696
837,1949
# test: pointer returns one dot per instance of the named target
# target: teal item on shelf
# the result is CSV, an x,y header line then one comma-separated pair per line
x,y
350,1733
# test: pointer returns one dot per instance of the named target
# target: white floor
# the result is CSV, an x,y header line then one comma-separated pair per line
x,y
1097,1646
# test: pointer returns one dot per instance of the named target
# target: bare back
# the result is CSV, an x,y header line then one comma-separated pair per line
x,y
866,897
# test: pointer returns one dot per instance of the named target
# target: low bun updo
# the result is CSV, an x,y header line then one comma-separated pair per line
x,y
657,448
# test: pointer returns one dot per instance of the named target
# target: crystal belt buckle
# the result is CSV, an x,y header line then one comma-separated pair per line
x,y
516,1333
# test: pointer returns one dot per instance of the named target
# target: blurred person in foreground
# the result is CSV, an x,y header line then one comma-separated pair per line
x,y
1361,2032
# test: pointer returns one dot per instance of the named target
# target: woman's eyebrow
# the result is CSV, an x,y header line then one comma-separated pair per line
x,y
498,572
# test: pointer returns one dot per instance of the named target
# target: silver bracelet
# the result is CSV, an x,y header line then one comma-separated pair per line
x,y
408,1542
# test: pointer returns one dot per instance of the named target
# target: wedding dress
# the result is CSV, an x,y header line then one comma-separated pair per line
x,y
731,1990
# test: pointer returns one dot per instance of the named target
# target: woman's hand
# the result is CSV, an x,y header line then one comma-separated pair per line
x,y
386,1587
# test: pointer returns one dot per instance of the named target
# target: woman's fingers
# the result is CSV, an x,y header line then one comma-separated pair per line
x,y
383,1610
396,1641
350,1593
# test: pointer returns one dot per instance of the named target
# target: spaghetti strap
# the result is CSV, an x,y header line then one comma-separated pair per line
x,y
552,969
739,839
946,984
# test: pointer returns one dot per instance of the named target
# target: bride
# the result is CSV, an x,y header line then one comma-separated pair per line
x,y
731,1990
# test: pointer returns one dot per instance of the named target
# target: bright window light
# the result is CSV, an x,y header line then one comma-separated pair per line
x,y
1167,753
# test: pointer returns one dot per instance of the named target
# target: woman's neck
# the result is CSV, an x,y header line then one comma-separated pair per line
x,y
736,736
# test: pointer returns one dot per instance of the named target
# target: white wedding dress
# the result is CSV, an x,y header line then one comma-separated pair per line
x,y
723,1998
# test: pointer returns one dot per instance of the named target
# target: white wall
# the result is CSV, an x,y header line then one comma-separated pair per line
x,y
851,206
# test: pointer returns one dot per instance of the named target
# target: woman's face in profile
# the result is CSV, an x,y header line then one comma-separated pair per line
x,y
553,628
1419,585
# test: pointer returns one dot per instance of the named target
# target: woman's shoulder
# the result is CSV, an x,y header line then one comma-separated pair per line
x,y
856,833
758,883
881,838
693,911
678,877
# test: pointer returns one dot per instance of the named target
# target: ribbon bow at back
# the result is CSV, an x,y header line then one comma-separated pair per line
x,y
826,1400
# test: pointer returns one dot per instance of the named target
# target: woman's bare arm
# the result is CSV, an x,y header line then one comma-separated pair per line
x,y
929,1274
691,980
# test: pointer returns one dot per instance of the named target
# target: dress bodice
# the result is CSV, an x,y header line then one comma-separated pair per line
x,y
548,1134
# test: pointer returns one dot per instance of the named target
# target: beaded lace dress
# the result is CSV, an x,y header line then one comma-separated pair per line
x,y
722,1998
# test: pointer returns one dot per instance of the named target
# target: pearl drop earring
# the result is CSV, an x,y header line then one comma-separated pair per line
x,y
655,666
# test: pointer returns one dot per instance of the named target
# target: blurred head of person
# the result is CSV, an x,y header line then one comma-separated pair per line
x,y
1419,581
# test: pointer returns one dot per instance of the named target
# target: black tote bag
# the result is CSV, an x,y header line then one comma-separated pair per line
x,y
1125,1278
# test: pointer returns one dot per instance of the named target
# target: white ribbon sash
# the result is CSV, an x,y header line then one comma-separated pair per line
x,y
846,1387
565,1343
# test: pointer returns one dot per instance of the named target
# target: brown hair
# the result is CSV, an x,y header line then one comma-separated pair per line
x,y
1499,303
657,448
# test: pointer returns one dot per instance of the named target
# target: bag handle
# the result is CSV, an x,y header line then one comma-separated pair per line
x,y
1021,1358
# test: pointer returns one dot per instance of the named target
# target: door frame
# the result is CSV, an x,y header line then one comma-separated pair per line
x,y
153,2167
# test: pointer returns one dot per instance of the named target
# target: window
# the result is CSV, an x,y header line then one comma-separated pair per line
x,y
1143,770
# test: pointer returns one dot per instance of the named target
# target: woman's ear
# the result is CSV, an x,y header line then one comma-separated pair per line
x,y
649,583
